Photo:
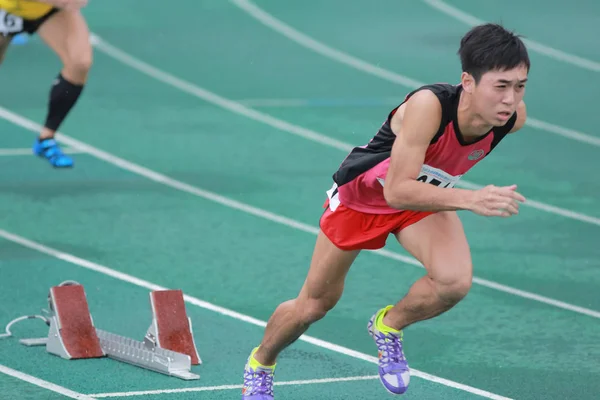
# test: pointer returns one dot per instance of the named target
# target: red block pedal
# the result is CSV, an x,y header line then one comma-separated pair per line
x,y
74,322
171,328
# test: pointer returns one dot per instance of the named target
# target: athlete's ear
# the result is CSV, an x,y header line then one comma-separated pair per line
x,y
468,82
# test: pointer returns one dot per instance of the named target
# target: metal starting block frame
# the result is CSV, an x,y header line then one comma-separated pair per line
x,y
137,353
147,354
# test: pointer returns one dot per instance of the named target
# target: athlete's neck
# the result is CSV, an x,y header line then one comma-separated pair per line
x,y
472,126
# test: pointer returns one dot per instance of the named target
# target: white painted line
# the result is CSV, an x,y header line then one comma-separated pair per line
x,y
532,45
233,387
270,21
280,103
175,184
43,384
230,313
204,94
275,102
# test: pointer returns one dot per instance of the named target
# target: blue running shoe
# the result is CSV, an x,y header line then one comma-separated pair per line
x,y
258,380
20,39
49,149
393,367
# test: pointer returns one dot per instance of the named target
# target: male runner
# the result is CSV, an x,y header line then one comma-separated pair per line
x,y
402,183
61,25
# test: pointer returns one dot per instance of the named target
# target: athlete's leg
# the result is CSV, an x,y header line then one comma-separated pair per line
x,y
321,291
67,34
439,243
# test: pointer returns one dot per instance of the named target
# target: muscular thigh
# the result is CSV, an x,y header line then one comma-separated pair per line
x,y
439,243
66,32
328,269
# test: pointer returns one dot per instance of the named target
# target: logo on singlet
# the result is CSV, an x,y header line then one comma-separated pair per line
x,y
476,155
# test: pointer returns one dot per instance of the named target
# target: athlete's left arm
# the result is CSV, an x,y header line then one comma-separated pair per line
x,y
521,117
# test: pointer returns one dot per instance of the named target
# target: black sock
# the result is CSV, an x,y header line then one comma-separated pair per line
x,y
63,97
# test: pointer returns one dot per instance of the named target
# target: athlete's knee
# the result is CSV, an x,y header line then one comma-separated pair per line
x,y
313,309
453,289
79,63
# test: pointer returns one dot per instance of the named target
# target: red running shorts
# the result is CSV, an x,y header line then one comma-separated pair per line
x,y
353,230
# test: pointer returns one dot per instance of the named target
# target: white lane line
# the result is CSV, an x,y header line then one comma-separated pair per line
x,y
232,387
43,384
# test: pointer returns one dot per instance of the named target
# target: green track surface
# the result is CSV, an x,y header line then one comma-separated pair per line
x,y
494,341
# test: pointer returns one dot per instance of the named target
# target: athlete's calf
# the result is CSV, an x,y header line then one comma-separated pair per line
x,y
319,294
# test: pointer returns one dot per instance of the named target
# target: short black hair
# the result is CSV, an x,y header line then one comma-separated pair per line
x,y
491,47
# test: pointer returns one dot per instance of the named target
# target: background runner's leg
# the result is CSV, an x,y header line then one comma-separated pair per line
x,y
67,34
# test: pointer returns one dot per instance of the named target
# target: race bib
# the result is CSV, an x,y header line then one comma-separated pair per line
x,y
334,200
434,176
437,177
10,23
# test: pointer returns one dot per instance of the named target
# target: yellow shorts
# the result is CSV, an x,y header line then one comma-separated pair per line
x,y
26,9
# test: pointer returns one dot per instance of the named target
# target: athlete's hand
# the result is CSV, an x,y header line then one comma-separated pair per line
x,y
494,201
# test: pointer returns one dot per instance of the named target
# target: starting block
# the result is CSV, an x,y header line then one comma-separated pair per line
x,y
168,346
171,328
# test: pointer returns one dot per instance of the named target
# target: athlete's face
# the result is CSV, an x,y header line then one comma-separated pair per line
x,y
498,94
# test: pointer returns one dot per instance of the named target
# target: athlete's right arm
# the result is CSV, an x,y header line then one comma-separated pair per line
x,y
420,122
